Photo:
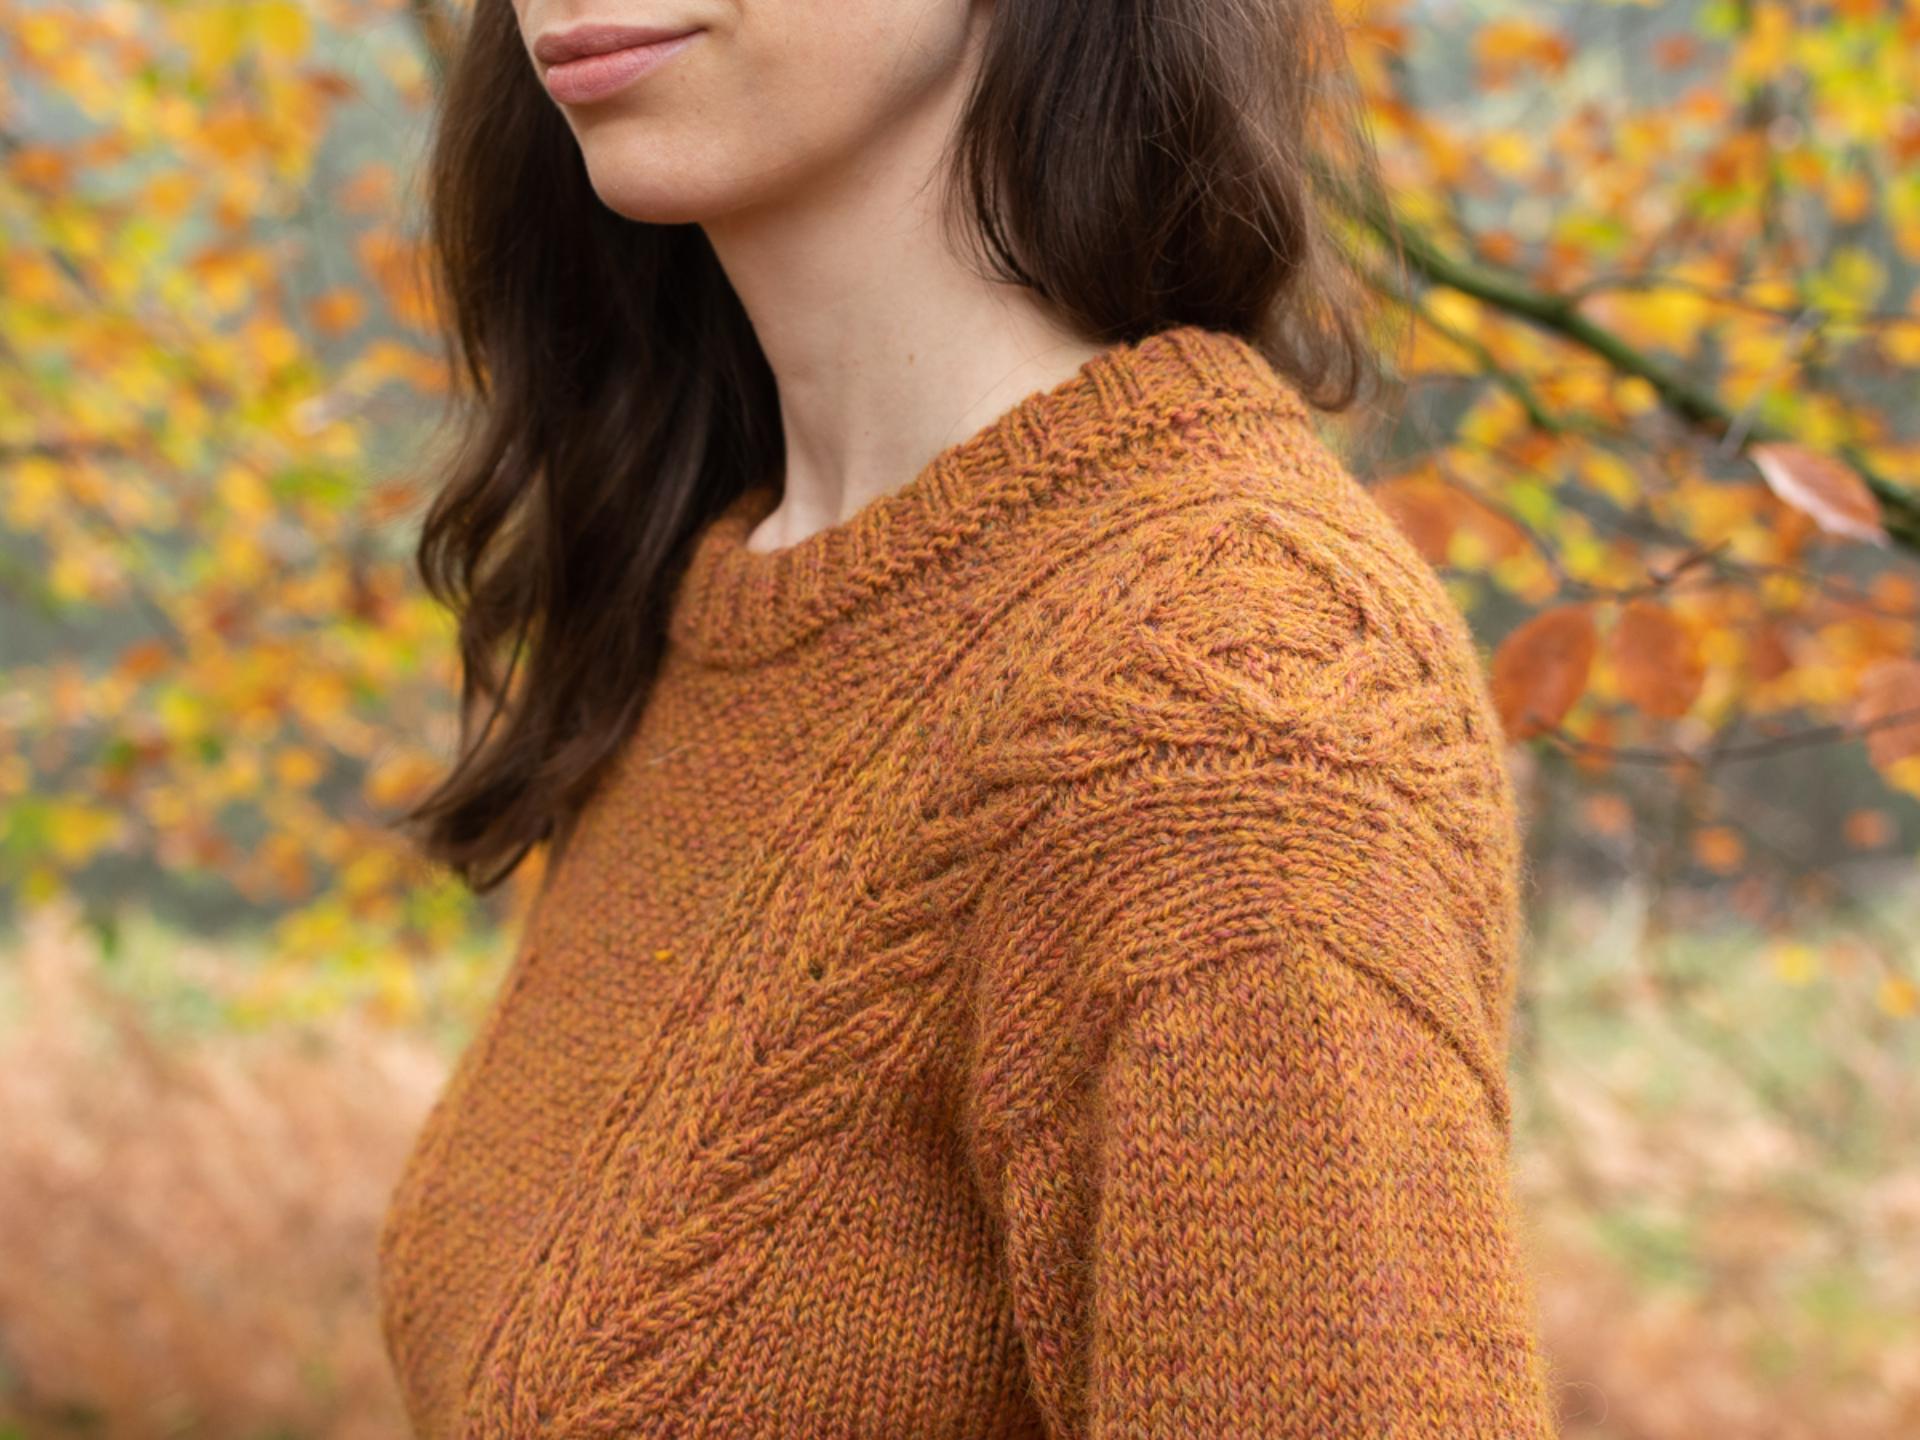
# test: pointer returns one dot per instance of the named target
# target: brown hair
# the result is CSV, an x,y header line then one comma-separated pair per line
x,y
621,398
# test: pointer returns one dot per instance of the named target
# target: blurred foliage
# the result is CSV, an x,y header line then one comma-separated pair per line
x,y
1660,440
1721,1200
220,677
1666,335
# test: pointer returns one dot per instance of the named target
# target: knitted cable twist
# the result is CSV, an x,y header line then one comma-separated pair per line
x,y
1041,967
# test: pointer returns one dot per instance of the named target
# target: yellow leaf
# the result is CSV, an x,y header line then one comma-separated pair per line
x,y
1456,311
170,195
71,575
1508,152
319,696
297,767
1496,415
238,559
1611,476
1904,775
367,872
1769,34
1850,198
282,28
42,36
1796,962
1572,388
1854,280
397,997
181,714
77,832
1504,47
396,780
1898,996
275,346
1670,319
32,491
42,884
212,34
1901,344
1635,396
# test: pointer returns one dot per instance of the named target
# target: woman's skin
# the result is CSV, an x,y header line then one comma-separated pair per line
x,y
805,137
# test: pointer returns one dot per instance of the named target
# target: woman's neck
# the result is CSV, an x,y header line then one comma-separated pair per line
x,y
886,345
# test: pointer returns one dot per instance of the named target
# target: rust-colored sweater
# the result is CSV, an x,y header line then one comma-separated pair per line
x,y
1041,966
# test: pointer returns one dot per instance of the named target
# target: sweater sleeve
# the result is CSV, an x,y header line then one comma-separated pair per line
x,y
1277,1205
1300,1221
1236,1097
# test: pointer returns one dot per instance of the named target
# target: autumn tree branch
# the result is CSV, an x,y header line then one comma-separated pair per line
x,y
1561,316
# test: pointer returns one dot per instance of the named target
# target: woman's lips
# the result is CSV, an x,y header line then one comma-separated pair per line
x,y
594,77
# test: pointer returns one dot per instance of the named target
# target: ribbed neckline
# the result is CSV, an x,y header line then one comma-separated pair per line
x,y
735,607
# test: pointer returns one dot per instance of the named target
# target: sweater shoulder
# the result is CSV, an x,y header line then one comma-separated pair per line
x,y
1253,715
1258,590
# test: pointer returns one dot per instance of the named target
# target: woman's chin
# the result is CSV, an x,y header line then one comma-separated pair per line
x,y
642,194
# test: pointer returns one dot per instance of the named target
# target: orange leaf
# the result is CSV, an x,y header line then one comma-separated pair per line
x,y
1889,688
1608,813
1422,511
1504,47
396,265
337,311
1675,51
1719,848
41,167
144,659
1829,490
1658,659
1769,656
1869,829
1541,669
1431,512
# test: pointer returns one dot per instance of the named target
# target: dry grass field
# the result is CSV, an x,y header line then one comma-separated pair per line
x,y
1717,1161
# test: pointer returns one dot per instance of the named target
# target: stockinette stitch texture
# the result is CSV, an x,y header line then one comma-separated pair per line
x,y
1040,966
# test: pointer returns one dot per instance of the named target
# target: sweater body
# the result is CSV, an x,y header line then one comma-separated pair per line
x,y
927,1029
663,1005
639,1131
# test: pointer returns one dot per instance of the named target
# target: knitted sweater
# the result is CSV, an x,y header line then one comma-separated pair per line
x,y
1040,966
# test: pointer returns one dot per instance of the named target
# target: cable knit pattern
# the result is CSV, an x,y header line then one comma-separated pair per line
x,y
1040,967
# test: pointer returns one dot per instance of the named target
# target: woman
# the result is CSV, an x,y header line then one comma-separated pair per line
x,y
1031,898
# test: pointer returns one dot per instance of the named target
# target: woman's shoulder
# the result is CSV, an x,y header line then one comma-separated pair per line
x,y
1254,590
1254,708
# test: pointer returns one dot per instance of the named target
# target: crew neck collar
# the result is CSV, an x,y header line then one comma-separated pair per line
x,y
735,607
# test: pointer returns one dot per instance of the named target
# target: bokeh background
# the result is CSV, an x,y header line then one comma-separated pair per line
x,y
1661,437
